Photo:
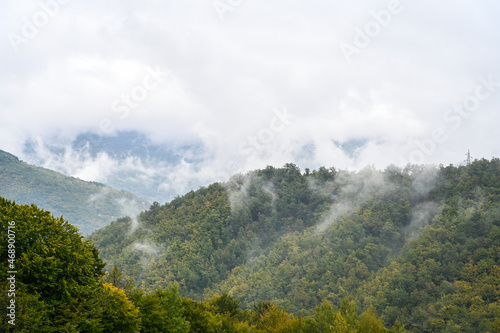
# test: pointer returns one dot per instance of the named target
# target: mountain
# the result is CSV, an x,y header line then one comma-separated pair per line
x,y
419,244
55,283
133,162
88,205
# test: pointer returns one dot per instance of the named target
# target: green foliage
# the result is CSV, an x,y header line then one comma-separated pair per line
x,y
194,234
119,314
370,323
324,317
225,304
275,319
53,262
340,325
120,281
32,314
448,278
333,258
275,250
60,289
57,277
161,311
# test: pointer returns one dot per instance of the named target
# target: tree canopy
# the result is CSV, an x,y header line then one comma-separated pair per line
x,y
411,249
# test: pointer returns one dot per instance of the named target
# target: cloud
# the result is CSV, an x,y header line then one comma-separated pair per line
x,y
422,215
149,252
147,247
238,188
225,78
350,190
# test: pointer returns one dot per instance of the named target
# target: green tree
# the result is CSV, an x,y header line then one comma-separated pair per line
x,y
118,313
370,323
161,311
54,264
226,304
348,312
324,316
341,325
119,280
31,314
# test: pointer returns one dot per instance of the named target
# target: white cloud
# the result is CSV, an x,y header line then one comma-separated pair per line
x,y
226,76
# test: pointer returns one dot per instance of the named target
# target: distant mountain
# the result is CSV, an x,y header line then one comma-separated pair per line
x,y
88,205
139,164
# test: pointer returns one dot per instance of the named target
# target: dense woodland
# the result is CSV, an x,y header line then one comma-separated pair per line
x,y
276,250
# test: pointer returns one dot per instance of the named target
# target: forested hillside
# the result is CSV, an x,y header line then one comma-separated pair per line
x,y
88,205
53,281
418,246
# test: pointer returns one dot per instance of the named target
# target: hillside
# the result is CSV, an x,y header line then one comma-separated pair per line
x,y
419,244
88,205
54,282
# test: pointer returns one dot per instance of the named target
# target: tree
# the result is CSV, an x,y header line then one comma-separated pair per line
x,y
273,319
225,304
340,325
117,279
31,313
348,312
118,313
369,322
161,311
398,328
324,316
54,264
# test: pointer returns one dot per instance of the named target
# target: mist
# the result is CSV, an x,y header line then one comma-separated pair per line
x,y
350,190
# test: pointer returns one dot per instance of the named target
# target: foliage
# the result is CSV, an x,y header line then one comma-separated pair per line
x,y
449,276
57,277
120,314
275,250
416,244
161,311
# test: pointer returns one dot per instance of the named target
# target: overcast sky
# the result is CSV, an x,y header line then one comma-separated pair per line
x,y
255,82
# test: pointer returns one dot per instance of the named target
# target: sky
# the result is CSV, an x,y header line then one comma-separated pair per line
x,y
249,84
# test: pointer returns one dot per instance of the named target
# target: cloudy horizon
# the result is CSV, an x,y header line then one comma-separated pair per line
x,y
229,86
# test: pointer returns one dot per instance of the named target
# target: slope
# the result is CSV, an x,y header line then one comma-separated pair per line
x,y
420,244
201,238
89,205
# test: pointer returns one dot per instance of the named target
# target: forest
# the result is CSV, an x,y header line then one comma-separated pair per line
x,y
413,249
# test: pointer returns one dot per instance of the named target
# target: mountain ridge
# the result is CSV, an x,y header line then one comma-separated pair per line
x,y
88,205
301,238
